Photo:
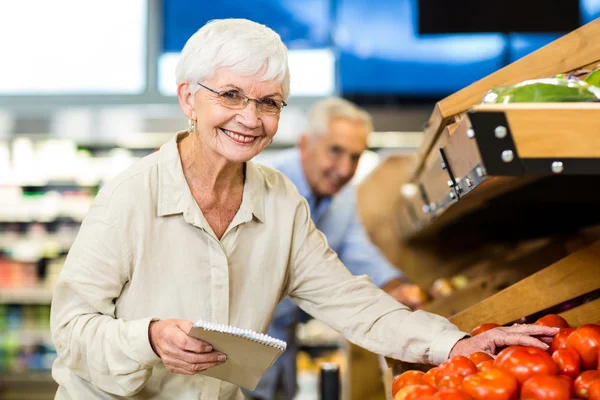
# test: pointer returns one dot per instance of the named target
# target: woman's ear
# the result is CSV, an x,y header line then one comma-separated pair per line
x,y
186,100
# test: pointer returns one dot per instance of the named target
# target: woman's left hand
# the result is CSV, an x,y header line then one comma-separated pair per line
x,y
516,335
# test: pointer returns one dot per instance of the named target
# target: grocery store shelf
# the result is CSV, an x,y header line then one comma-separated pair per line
x,y
50,185
27,377
27,386
57,220
25,296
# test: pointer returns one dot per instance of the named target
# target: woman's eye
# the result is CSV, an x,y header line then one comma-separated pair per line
x,y
269,102
231,94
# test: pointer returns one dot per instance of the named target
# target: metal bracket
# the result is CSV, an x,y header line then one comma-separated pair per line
x,y
495,143
471,180
500,157
427,205
447,166
562,166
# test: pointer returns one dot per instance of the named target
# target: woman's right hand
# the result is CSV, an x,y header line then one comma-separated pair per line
x,y
181,354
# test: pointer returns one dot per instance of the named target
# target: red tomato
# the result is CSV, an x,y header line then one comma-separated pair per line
x,y
451,394
569,382
451,382
553,320
485,365
458,365
523,362
584,381
407,378
482,328
560,339
545,387
413,392
429,377
586,341
479,357
494,384
568,362
594,391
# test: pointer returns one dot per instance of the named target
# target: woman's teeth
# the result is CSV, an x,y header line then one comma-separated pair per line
x,y
239,138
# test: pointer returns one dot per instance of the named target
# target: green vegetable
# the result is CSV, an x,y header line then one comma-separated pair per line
x,y
543,91
594,77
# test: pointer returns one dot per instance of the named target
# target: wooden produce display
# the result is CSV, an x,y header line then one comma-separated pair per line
x,y
504,195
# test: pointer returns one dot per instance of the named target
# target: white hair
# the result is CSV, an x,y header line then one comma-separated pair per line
x,y
323,111
242,46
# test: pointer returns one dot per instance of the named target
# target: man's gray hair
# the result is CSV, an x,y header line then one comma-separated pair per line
x,y
323,111
242,46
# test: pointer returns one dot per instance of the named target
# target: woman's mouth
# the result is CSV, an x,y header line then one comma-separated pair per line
x,y
239,138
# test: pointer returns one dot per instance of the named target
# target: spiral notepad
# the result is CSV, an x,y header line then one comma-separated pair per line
x,y
249,354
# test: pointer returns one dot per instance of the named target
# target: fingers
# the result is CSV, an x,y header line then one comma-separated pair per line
x,y
177,367
184,342
532,330
192,362
545,339
174,364
517,339
181,353
194,358
195,346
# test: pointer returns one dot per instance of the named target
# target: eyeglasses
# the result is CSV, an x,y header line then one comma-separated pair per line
x,y
237,101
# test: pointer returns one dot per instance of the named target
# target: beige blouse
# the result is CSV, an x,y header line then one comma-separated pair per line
x,y
145,251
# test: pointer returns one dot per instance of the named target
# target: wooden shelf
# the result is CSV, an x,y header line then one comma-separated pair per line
x,y
576,50
490,277
554,159
585,314
547,130
26,296
568,278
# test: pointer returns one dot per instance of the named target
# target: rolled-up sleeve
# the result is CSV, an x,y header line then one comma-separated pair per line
x,y
354,306
113,354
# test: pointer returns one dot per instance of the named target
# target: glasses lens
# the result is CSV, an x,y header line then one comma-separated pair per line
x,y
270,106
232,99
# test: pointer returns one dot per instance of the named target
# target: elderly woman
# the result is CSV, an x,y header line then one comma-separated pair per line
x,y
198,231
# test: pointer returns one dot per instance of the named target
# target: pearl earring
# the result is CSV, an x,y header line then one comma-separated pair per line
x,y
191,125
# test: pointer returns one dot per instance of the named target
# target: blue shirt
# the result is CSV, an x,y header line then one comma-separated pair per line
x,y
337,218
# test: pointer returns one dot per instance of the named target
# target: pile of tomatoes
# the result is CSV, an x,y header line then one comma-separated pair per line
x,y
570,369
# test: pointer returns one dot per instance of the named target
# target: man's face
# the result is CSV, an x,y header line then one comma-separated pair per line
x,y
330,160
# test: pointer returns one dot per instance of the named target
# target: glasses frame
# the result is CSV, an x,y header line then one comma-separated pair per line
x,y
258,102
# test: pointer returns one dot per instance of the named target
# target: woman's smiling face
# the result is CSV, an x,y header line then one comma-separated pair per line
x,y
236,134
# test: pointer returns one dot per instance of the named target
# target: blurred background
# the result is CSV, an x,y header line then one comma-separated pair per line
x,y
87,88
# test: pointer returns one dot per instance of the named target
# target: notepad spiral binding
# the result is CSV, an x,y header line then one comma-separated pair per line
x,y
245,333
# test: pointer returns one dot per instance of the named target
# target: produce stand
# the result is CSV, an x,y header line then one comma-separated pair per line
x,y
504,195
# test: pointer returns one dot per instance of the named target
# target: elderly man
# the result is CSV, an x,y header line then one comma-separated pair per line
x,y
321,167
